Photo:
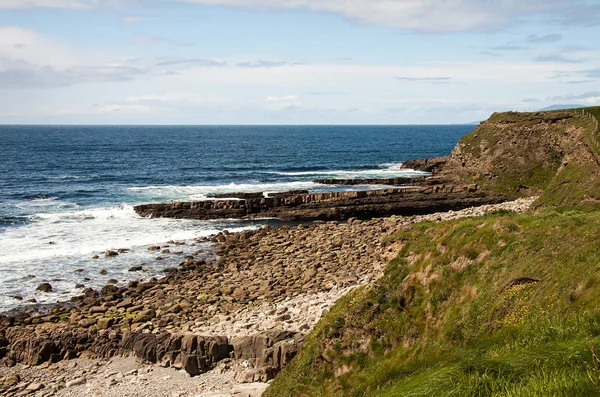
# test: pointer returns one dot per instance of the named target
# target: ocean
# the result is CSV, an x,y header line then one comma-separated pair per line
x,y
67,192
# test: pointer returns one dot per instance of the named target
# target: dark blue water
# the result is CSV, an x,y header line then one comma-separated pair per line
x,y
75,186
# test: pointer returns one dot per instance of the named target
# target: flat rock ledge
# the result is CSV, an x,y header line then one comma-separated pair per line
x,y
329,206
246,311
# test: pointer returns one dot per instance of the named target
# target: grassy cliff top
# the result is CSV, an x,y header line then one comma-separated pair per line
x,y
522,154
504,305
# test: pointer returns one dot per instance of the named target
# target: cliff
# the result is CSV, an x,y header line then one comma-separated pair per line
x,y
505,304
522,154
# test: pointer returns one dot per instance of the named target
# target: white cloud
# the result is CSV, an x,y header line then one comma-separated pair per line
x,y
285,98
124,109
168,97
70,4
26,45
131,19
28,60
413,15
588,98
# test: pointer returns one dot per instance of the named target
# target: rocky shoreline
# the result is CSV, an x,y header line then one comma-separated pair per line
x,y
241,315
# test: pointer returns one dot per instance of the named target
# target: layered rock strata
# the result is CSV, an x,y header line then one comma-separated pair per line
x,y
331,205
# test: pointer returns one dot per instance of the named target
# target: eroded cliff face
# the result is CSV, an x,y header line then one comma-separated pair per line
x,y
517,154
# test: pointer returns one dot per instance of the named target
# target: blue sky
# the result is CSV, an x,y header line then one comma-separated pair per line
x,y
293,61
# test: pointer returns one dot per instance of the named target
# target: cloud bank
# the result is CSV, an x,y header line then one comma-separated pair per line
x,y
411,15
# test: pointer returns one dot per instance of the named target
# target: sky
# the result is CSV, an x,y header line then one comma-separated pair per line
x,y
293,61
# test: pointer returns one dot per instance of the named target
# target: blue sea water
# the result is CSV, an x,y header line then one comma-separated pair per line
x,y
67,192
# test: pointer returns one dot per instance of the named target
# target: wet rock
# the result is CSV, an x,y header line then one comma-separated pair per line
x,y
44,287
109,290
135,269
103,271
154,248
111,253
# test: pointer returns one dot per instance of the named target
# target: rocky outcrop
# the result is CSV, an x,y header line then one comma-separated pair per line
x,y
196,354
433,165
330,206
268,352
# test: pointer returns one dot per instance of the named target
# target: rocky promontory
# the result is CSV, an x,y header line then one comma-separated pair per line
x,y
329,206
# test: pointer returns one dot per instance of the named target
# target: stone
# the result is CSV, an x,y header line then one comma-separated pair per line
x,y
195,365
109,290
34,386
135,268
86,322
109,254
44,287
10,380
145,315
103,271
105,323
76,382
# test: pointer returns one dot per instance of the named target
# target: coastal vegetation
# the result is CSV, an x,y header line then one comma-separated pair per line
x,y
500,305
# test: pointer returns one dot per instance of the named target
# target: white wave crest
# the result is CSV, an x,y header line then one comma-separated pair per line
x,y
386,170
199,192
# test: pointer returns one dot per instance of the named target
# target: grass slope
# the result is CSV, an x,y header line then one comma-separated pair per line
x,y
458,313
576,183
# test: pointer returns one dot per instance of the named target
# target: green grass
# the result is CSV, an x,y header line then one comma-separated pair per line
x,y
445,319
594,111
577,182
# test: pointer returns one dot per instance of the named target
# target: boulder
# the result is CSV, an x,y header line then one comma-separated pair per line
x,y
44,287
